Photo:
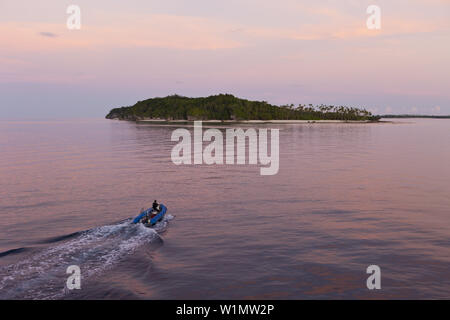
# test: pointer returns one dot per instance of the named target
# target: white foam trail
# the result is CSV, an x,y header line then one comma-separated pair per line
x,y
43,275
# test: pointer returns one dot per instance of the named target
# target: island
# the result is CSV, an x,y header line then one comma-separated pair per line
x,y
228,108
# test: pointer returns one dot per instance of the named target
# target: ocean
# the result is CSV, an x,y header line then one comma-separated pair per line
x,y
346,196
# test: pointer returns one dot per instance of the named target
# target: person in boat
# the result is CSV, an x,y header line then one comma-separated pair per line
x,y
155,206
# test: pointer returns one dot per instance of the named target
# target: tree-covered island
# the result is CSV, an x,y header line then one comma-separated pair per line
x,y
228,107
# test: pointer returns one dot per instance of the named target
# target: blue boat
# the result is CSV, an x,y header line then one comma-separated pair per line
x,y
155,218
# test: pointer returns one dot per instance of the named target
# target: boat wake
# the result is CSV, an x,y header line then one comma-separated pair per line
x,y
43,275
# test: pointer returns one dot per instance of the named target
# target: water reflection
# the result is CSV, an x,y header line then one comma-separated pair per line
x,y
346,196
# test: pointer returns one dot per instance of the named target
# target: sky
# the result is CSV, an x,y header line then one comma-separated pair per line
x,y
283,52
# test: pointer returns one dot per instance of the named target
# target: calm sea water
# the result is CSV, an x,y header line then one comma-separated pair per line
x,y
346,196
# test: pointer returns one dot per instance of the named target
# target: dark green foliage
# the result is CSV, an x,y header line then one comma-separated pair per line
x,y
228,107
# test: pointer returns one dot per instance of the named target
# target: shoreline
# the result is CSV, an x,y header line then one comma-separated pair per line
x,y
162,121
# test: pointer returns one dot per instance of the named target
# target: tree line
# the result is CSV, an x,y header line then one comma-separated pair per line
x,y
229,107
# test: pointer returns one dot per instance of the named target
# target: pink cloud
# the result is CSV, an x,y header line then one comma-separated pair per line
x,y
164,31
